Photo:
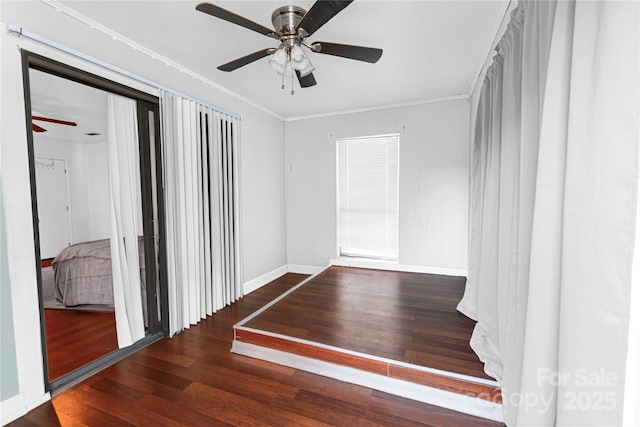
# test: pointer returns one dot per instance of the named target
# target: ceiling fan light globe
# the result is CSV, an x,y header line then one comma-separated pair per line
x,y
297,54
308,69
288,70
279,68
280,56
279,60
301,64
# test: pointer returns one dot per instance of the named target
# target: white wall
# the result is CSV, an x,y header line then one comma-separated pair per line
x,y
88,173
263,206
96,179
10,386
19,234
262,191
53,205
88,185
434,181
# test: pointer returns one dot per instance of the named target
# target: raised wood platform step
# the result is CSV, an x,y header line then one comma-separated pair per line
x,y
403,337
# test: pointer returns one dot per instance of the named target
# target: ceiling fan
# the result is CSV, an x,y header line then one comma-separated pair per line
x,y
292,26
37,128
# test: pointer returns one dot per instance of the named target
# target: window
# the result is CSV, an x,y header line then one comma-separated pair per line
x,y
368,197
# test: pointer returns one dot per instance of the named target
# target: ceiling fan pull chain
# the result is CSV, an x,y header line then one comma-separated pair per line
x,y
292,91
282,87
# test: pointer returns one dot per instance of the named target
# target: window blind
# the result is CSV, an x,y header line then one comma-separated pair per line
x,y
368,197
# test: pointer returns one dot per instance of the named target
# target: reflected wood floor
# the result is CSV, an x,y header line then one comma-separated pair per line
x,y
193,379
77,337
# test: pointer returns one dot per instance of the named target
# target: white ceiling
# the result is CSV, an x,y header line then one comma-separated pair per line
x,y
58,98
432,49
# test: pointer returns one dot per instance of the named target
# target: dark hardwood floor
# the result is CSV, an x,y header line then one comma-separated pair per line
x,y
406,317
77,337
192,379
392,324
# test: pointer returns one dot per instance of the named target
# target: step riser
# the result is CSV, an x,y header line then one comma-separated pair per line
x,y
473,401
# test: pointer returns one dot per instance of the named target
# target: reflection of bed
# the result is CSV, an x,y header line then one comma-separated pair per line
x,y
82,273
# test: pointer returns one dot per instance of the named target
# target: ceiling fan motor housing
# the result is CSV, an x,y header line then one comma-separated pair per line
x,y
286,18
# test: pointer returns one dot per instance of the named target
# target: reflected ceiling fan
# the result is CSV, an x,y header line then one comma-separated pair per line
x,y
37,128
292,26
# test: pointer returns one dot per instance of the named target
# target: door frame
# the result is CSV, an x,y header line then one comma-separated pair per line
x,y
158,320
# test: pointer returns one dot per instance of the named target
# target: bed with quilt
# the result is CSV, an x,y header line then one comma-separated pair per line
x,y
82,273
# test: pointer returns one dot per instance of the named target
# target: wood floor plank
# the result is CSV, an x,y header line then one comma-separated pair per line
x,y
238,409
79,407
320,408
173,412
346,392
129,412
114,389
400,411
194,380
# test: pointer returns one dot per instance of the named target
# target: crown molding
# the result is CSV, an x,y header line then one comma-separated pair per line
x,y
382,107
94,25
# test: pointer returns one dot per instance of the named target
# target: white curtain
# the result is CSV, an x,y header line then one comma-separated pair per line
x,y
554,167
632,376
201,184
126,217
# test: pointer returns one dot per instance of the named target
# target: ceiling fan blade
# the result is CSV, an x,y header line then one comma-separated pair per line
x,y
37,128
359,53
224,14
241,62
306,81
319,14
50,120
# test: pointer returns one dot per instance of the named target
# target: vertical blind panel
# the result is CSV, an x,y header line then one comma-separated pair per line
x,y
368,197
206,192
201,192
217,219
201,140
169,174
192,218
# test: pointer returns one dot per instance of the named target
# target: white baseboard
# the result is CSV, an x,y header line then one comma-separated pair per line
x,y
304,269
15,407
12,409
445,399
384,265
259,282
